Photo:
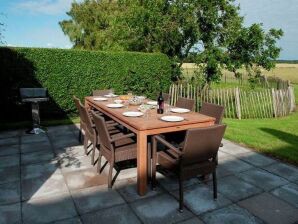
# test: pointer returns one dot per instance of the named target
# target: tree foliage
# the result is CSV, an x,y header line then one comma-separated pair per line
x,y
213,29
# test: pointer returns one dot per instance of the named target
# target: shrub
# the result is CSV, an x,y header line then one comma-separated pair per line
x,y
76,72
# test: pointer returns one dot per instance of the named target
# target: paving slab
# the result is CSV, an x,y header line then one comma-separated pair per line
x,y
43,186
69,221
60,129
9,141
39,170
236,189
262,179
9,174
8,134
48,209
128,189
34,138
36,146
9,161
288,193
10,193
231,214
9,150
233,149
10,214
170,183
96,198
159,209
64,141
199,199
233,164
270,209
283,170
36,157
74,151
84,178
121,214
193,220
69,163
256,159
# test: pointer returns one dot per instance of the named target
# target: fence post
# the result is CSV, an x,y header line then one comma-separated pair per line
x,y
238,107
274,102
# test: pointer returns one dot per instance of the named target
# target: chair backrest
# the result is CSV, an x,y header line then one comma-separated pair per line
x,y
103,133
86,118
213,110
202,144
77,102
185,103
101,92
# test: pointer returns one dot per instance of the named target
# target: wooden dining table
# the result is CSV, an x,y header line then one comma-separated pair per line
x,y
147,126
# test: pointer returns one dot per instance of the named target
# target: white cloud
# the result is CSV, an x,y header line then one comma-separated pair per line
x,y
49,7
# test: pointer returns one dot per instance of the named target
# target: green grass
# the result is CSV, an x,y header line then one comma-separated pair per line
x,y
277,137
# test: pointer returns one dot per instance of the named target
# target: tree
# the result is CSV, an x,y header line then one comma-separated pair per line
x,y
213,29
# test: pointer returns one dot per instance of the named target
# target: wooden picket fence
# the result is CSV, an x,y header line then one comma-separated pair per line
x,y
238,103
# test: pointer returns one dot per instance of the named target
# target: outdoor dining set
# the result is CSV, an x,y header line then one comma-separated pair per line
x,y
130,128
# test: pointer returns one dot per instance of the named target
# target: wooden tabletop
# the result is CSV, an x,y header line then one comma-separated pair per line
x,y
152,121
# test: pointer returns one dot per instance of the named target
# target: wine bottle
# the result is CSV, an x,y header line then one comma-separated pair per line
x,y
160,104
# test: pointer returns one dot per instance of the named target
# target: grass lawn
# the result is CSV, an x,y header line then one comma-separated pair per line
x,y
277,137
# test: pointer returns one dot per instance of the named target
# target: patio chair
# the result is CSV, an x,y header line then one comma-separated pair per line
x,y
82,124
101,92
213,110
196,156
186,103
115,148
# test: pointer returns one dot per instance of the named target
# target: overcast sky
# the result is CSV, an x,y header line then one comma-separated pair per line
x,y
34,23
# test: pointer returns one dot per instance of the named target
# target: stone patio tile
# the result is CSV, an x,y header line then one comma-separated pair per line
x,y
233,148
121,214
74,151
9,161
222,154
10,193
36,157
9,174
159,209
199,199
34,138
39,170
84,178
170,183
48,209
231,214
236,189
233,164
262,179
69,221
9,141
288,193
270,209
256,159
43,186
283,170
222,172
193,220
8,134
59,129
36,146
9,150
96,198
10,214
69,163
128,189
66,140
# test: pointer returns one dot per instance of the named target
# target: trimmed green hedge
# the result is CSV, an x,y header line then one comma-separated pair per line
x,y
76,72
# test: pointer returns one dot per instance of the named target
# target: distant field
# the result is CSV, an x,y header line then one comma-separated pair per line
x,y
282,70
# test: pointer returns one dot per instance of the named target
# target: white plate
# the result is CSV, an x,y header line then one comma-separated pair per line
x,y
110,95
115,105
152,103
133,114
100,99
179,110
172,118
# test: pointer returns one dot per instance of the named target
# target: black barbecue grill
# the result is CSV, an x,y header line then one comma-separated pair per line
x,y
34,96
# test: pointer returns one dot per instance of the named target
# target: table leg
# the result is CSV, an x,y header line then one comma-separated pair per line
x,y
142,162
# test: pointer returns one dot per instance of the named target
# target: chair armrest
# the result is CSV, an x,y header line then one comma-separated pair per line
x,y
122,137
167,144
